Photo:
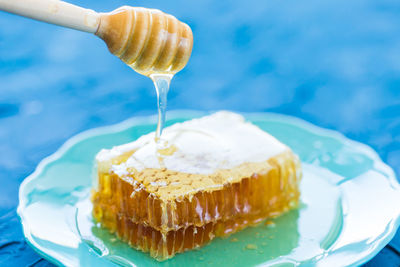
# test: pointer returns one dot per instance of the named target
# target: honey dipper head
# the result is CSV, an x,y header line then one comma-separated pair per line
x,y
147,40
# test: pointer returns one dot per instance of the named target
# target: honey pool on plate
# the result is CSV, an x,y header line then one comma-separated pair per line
x,y
292,235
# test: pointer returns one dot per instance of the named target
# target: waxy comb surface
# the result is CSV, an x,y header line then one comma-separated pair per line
x,y
165,226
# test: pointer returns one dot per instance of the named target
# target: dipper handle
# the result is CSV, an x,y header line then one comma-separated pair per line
x,y
54,12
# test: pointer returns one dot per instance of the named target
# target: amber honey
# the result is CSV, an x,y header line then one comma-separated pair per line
x,y
164,222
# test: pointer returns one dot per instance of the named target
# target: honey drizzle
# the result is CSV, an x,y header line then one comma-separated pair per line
x,y
161,83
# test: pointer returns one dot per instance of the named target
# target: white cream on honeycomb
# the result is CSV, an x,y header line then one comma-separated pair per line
x,y
223,140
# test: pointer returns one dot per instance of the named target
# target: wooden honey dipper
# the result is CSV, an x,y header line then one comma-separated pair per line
x,y
148,40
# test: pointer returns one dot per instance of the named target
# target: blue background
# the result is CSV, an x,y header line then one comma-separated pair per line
x,y
334,63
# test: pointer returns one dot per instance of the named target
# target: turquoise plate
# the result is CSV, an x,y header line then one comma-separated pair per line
x,y
350,204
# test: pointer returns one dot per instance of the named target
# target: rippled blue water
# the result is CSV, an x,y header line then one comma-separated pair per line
x,y
333,63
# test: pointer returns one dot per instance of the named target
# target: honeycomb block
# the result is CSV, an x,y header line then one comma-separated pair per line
x,y
155,216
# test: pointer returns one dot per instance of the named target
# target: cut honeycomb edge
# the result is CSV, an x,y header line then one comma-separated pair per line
x,y
280,192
